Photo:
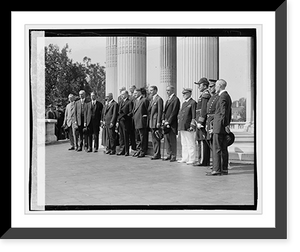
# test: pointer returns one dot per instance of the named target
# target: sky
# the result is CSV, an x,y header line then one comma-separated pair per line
x,y
232,68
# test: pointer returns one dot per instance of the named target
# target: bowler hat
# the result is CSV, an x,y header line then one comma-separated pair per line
x,y
202,80
159,135
230,137
85,130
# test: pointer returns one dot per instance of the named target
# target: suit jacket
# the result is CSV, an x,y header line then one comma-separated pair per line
x,y
111,113
70,114
171,112
93,114
186,114
125,108
222,115
79,111
140,113
155,111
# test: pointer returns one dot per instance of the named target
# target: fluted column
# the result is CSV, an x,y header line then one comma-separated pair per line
x,y
168,48
131,57
197,57
111,66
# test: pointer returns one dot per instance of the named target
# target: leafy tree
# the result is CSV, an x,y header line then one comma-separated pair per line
x,y
63,77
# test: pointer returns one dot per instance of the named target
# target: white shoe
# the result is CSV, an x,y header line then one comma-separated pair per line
x,y
189,163
181,161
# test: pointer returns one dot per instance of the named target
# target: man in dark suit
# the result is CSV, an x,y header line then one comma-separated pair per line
x,y
221,127
110,120
140,117
155,117
124,122
169,120
187,127
203,155
80,108
94,113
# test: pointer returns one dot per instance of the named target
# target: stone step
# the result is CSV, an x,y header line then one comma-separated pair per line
x,y
242,150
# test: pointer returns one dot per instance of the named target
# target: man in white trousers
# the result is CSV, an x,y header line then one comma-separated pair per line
x,y
187,127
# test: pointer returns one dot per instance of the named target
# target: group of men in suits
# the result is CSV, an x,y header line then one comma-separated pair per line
x,y
127,122
82,118
136,115
207,123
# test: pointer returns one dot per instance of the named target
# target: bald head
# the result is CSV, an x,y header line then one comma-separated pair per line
x,y
220,85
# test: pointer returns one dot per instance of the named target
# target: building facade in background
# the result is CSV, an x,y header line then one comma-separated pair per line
x,y
183,61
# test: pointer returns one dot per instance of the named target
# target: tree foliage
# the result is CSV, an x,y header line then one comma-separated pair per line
x,y
63,77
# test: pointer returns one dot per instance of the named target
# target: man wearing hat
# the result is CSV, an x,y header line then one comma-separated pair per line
x,y
201,117
221,130
187,127
211,108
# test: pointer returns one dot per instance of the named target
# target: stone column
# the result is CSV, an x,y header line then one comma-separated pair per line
x,y
111,85
197,57
131,58
168,62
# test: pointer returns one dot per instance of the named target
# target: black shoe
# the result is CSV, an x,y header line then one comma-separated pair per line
x,y
141,156
126,154
155,158
79,149
197,164
120,153
72,148
89,150
95,150
224,172
108,152
173,159
167,158
112,153
213,173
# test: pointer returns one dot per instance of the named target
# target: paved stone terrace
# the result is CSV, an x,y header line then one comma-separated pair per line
x,y
81,178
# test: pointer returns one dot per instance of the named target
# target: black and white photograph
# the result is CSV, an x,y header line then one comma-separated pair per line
x,y
149,125
148,119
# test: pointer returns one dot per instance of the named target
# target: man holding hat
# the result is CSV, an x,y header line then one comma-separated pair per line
x,y
201,116
221,130
187,127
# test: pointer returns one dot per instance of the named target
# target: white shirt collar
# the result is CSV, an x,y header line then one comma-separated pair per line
x,y
171,96
154,96
222,91
188,99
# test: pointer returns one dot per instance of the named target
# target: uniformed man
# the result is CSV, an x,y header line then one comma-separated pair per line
x,y
211,107
187,127
201,116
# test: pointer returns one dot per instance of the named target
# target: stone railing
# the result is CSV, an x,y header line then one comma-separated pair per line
x,y
237,126
47,127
